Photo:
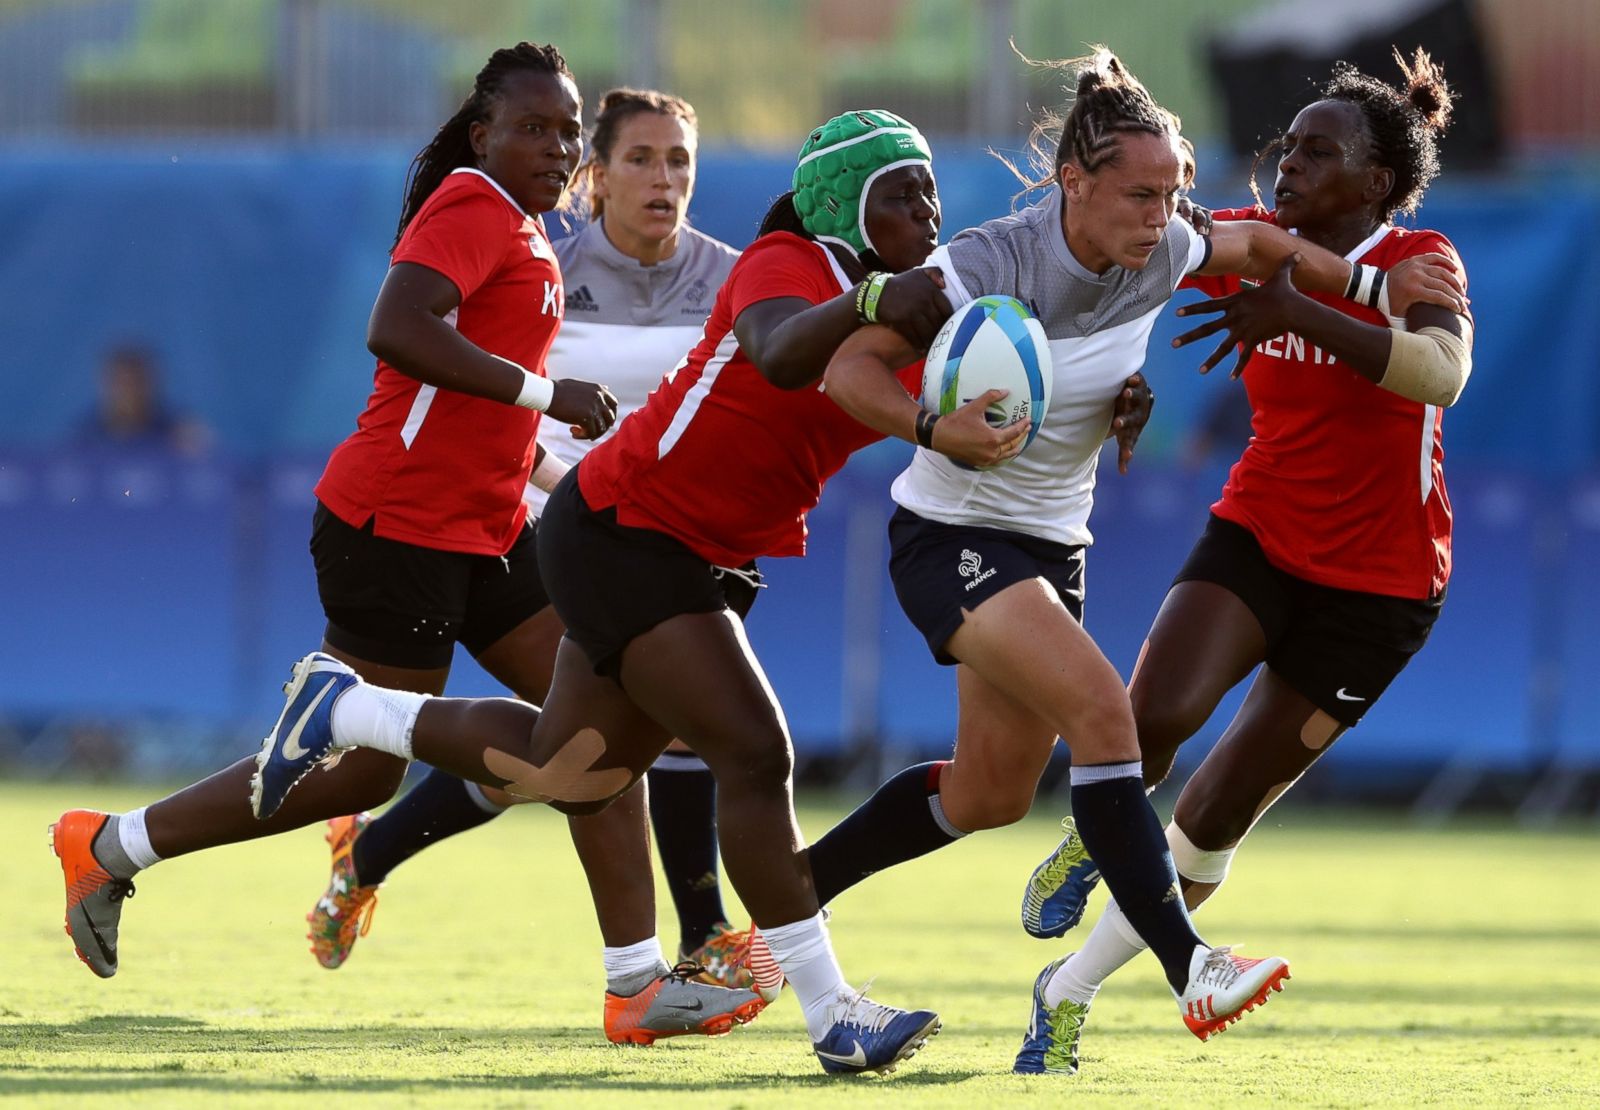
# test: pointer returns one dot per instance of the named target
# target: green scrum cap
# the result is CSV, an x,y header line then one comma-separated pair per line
x,y
839,163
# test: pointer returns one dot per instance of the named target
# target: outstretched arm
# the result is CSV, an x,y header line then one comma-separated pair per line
x,y
790,340
1255,250
1429,362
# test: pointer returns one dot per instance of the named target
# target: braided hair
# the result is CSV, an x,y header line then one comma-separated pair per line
x,y
1403,125
451,147
617,107
1108,102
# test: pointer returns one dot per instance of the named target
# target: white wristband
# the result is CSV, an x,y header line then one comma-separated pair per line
x,y
548,472
537,390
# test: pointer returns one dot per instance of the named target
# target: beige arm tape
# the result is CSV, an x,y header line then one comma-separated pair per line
x,y
1430,365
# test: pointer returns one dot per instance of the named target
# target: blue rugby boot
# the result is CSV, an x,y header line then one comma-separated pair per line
x,y
1059,888
868,1037
303,736
1051,1042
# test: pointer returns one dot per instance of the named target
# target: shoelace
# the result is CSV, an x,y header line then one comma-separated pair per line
x,y
120,889
1066,1020
863,1013
685,971
1056,870
1219,969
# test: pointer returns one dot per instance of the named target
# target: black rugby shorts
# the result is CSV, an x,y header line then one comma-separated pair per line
x,y
941,571
403,605
612,583
1339,648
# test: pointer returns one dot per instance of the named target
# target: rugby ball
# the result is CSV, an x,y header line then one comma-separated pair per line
x,y
993,342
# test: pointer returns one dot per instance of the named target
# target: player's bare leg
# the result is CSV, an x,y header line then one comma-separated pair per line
x,y
1204,642
697,676
101,853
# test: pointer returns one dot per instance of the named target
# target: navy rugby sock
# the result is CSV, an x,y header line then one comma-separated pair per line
x,y
440,805
902,821
683,811
1125,839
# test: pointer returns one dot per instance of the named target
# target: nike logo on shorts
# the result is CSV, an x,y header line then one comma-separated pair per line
x,y
1342,696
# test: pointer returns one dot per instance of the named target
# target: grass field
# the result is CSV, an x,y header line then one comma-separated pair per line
x,y
1451,967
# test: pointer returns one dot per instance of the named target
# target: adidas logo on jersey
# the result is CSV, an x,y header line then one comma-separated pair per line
x,y
581,300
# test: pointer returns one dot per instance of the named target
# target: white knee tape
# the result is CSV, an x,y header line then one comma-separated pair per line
x,y
1193,863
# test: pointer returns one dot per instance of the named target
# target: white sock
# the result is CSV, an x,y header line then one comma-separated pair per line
x,y
367,716
632,963
135,839
1111,943
805,954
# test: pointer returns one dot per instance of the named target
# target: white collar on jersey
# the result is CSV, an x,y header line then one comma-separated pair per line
x,y
1365,245
495,184
598,243
1058,241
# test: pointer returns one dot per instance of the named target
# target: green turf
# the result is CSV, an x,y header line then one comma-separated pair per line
x,y
1453,967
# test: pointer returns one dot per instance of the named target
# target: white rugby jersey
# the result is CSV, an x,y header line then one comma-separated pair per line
x,y
1097,325
626,324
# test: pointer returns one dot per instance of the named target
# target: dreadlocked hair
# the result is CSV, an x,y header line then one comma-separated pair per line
x,y
617,107
783,217
1403,123
1107,102
451,147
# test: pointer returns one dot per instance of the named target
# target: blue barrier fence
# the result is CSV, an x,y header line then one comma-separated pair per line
x,y
181,591
145,585
251,275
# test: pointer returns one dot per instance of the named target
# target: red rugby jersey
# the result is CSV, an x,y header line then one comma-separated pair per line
x,y
431,466
718,457
1343,481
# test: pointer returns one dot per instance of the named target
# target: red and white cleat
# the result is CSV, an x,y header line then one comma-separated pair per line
x,y
1224,987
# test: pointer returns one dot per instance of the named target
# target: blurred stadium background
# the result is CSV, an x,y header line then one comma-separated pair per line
x,y
209,187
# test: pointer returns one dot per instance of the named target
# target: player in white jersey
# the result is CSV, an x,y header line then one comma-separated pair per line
x,y
989,563
639,284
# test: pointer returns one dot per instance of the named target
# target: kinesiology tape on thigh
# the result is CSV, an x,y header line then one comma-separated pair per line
x,y
838,164
567,777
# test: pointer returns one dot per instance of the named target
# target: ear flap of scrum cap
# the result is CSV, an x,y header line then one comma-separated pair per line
x,y
837,165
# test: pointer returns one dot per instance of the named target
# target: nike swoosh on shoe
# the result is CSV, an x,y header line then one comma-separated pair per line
x,y
291,743
858,1058
94,931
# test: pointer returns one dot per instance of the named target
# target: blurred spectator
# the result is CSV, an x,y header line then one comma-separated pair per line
x,y
131,414
1224,427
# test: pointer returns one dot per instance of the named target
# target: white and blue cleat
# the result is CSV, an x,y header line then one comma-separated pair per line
x,y
1058,890
1051,1041
303,736
869,1037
